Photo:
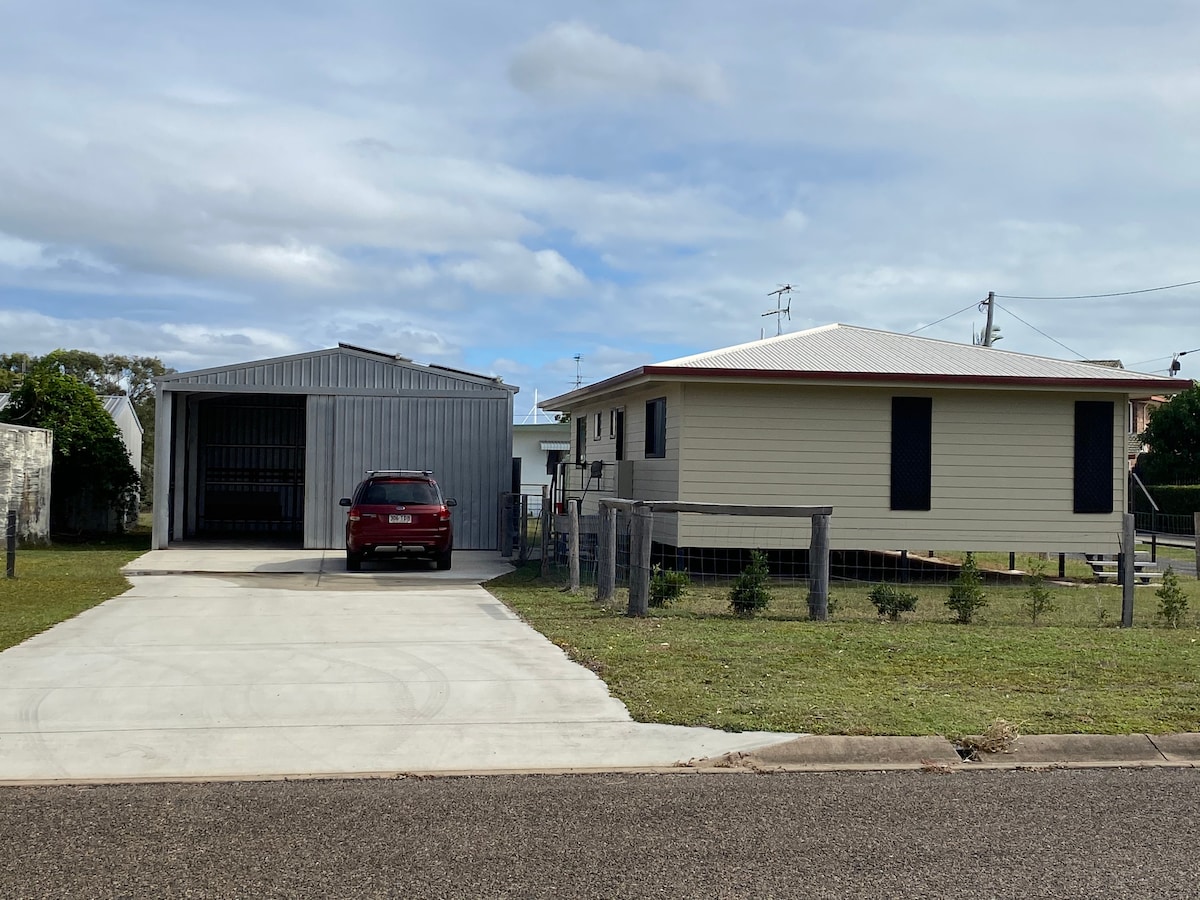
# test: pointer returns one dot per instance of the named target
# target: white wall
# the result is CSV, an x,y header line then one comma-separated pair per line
x,y
25,462
527,441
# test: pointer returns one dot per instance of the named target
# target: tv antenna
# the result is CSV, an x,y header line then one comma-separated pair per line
x,y
780,310
578,371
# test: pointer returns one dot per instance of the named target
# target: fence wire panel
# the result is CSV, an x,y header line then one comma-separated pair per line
x,y
786,551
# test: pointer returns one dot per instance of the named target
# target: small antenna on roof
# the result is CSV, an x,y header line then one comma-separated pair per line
x,y
780,310
578,372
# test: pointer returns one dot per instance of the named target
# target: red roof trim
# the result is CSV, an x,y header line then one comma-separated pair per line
x,y
1121,384
1131,386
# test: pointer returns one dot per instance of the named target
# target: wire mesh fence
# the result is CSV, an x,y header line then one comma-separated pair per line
x,y
785,549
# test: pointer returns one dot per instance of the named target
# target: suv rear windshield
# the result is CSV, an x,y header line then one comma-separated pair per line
x,y
395,493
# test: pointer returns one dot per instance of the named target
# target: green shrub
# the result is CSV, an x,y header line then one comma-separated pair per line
x,y
667,585
1172,499
1172,602
750,593
1038,600
891,602
966,593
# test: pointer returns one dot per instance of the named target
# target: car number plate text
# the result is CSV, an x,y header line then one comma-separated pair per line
x,y
399,519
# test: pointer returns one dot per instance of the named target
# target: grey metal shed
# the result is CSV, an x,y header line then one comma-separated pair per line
x,y
263,450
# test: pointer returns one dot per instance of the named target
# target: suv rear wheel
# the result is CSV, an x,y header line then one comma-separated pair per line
x,y
353,561
442,560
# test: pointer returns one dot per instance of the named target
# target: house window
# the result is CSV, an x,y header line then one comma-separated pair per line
x,y
597,429
912,452
581,440
656,428
1094,456
612,423
619,433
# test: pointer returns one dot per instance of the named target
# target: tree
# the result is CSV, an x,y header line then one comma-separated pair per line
x,y
12,367
91,471
110,374
1174,439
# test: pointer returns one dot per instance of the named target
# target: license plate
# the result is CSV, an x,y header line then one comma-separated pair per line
x,y
399,520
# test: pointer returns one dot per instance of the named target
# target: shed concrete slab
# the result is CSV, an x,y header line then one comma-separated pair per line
x,y
469,565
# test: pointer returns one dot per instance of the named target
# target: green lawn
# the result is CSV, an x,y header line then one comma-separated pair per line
x,y
695,664
1166,555
59,582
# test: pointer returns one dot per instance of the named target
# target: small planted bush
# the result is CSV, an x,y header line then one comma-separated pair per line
x,y
667,585
1038,600
891,601
966,593
750,593
1172,602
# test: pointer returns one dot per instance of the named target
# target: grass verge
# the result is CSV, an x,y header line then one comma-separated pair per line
x,y
57,582
694,663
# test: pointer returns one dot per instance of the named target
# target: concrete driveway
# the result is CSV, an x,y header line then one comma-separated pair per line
x,y
266,671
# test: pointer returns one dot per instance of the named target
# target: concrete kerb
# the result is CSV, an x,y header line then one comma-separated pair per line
x,y
818,753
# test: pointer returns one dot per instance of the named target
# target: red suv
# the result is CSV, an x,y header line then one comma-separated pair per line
x,y
398,513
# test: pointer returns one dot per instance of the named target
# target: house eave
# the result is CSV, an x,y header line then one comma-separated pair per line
x,y
1135,388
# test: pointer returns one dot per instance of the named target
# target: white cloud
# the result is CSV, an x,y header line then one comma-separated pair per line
x,y
514,269
291,262
571,59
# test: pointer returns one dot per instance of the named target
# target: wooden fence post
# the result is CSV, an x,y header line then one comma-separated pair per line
x,y
10,544
573,545
818,570
640,538
523,530
1129,569
606,562
547,519
1196,539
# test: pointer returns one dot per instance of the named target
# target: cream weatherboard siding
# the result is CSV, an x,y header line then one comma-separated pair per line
x,y
636,477
1002,467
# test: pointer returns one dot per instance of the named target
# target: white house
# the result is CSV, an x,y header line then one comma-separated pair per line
x,y
915,443
539,446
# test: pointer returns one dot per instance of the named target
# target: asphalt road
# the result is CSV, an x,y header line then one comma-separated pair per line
x,y
1082,833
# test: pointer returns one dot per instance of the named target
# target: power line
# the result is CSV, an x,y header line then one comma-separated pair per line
x,y
1165,287
1039,331
944,318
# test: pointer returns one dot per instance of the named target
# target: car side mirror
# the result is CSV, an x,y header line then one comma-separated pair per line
x,y
451,502
345,501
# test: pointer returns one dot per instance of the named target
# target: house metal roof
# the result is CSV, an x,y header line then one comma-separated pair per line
x,y
851,353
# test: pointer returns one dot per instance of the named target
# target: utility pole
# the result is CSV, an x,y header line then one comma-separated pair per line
x,y
987,329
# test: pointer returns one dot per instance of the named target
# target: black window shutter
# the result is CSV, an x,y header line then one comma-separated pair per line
x,y
1094,456
912,452
656,428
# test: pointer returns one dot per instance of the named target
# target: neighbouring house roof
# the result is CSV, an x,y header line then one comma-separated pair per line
x,y
113,404
850,353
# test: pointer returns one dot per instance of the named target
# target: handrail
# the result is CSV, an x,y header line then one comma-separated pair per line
x,y
1138,482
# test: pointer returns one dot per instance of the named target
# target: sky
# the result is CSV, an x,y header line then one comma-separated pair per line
x,y
504,187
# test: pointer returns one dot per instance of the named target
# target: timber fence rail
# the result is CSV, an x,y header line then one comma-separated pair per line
x,y
641,537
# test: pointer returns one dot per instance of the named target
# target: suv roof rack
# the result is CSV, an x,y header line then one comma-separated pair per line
x,y
425,473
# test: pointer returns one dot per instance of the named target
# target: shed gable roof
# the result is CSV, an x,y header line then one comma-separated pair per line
x,y
851,353
344,366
